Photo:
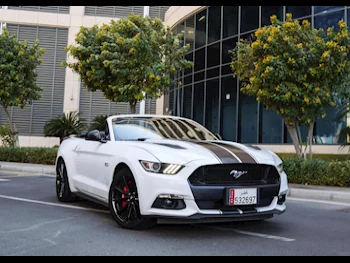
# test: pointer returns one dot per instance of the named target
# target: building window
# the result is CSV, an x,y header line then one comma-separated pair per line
x,y
328,20
270,126
228,108
199,60
324,9
187,104
189,57
212,106
248,110
228,45
214,23
198,102
230,21
201,29
213,55
299,11
189,32
249,18
268,11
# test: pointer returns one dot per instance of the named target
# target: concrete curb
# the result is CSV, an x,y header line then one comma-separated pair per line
x,y
298,191
28,168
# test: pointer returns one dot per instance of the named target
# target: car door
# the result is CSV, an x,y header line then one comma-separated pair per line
x,y
93,162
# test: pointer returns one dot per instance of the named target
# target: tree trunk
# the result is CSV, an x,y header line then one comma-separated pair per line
x,y
293,135
300,141
12,127
133,107
309,138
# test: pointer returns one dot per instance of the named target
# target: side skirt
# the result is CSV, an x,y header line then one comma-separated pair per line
x,y
92,199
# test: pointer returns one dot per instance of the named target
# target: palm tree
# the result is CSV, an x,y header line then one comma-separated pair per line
x,y
64,125
344,133
98,123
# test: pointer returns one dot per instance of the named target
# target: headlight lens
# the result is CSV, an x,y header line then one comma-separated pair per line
x,y
163,168
280,168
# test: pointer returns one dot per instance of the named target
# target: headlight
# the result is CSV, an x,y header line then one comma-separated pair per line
x,y
163,168
280,168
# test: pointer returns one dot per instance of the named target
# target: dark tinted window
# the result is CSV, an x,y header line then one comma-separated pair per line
x,y
319,9
189,31
228,108
227,45
171,101
201,30
199,76
226,70
213,55
198,102
214,23
211,73
299,11
249,18
187,104
199,60
212,106
268,11
328,20
190,58
271,126
248,119
230,21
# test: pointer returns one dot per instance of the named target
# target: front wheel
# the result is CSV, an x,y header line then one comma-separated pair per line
x,y
62,185
124,202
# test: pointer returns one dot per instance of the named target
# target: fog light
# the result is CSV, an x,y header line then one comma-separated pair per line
x,y
281,199
169,202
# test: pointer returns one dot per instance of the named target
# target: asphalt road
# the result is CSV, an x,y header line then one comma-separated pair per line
x,y
33,222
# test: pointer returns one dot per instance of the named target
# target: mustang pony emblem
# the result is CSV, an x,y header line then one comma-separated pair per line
x,y
236,174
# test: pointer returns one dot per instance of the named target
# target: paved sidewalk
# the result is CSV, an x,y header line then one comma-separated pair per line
x,y
337,194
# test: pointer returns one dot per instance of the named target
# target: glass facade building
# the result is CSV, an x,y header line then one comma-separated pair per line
x,y
211,96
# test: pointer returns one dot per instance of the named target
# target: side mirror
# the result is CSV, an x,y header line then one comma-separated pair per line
x,y
94,135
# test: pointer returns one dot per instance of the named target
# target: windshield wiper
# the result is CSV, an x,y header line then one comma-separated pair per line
x,y
138,139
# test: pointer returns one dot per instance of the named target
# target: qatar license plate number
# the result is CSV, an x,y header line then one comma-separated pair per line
x,y
246,196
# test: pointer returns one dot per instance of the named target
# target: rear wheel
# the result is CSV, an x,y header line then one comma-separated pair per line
x,y
62,185
124,202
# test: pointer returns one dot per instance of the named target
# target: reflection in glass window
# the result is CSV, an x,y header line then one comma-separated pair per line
x,y
248,119
228,108
328,20
303,131
189,32
249,18
199,60
268,11
228,45
213,55
230,21
214,23
212,106
271,126
171,101
178,102
201,29
187,104
327,129
319,9
299,11
181,29
348,14
198,102
189,57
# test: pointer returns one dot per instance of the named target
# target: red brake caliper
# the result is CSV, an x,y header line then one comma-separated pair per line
x,y
126,190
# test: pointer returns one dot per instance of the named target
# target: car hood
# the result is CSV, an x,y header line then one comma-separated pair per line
x,y
185,151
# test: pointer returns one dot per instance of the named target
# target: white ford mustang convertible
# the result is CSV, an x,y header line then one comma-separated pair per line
x,y
148,168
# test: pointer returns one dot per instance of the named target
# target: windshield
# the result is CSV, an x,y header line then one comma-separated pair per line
x,y
139,128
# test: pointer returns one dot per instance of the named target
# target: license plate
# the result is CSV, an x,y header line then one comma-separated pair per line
x,y
246,196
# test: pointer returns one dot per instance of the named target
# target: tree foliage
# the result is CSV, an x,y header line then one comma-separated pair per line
x,y
128,58
295,70
5,136
65,125
18,61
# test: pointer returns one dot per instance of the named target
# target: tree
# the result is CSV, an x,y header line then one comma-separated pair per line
x,y
98,123
295,70
129,59
5,136
64,125
18,61
344,133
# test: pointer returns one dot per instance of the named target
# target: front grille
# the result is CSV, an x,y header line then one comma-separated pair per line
x,y
256,174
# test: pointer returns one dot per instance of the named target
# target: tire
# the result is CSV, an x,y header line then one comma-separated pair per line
x,y
124,203
63,192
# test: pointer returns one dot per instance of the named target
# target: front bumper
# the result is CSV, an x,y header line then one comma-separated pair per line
x,y
151,186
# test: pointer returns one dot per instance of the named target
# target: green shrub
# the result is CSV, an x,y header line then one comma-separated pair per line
x,y
5,136
317,172
325,157
28,155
